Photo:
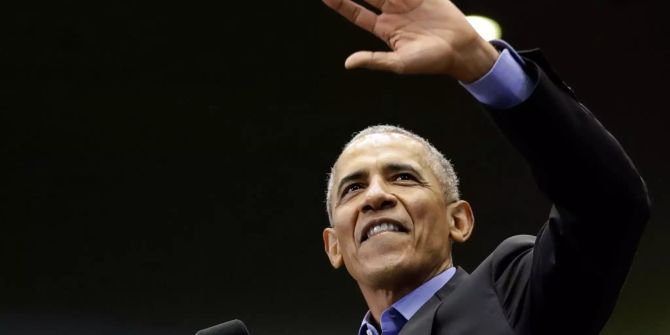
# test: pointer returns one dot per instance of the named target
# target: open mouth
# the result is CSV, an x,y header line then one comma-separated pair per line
x,y
382,226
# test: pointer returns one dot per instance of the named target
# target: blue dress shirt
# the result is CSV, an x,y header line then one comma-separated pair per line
x,y
504,86
396,316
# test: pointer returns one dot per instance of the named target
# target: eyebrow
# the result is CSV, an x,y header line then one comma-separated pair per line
x,y
397,167
387,168
357,175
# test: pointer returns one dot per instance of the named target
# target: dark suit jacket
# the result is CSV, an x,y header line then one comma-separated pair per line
x,y
567,279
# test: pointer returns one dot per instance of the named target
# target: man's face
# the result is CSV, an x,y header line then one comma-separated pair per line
x,y
389,213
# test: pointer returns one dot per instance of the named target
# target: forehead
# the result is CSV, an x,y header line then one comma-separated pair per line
x,y
376,149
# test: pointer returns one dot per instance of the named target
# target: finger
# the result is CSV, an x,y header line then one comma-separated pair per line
x,y
355,13
379,4
375,60
395,7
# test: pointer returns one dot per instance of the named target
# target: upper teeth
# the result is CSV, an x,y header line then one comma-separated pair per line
x,y
380,228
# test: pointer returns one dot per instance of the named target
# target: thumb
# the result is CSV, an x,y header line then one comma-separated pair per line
x,y
374,60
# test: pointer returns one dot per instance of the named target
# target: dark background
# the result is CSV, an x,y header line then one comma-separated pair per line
x,y
165,164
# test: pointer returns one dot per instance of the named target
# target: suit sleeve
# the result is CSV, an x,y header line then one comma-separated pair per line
x,y
600,206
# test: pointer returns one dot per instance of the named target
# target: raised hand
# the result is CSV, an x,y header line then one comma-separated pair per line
x,y
425,37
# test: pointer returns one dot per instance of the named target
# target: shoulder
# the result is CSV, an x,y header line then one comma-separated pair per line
x,y
512,247
507,271
508,267
510,253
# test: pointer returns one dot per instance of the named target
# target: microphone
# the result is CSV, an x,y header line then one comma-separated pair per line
x,y
232,327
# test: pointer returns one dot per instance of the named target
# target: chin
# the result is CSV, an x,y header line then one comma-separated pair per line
x,y
389,272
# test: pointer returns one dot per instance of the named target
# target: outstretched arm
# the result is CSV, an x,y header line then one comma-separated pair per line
x,y
583,253
425,37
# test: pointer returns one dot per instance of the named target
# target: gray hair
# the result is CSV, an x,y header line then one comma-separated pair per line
x,y
442,167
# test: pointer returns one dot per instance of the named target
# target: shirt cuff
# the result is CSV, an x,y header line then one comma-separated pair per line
x,y
506,84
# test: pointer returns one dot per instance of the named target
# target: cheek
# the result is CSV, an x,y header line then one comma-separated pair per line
x,y
344,217
423,208
430,221
344,221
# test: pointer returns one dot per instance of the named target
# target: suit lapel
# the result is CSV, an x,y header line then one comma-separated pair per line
x,y
422,322
460,276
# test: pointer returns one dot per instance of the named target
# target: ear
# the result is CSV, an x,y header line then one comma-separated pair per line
x,y
332,247
463,220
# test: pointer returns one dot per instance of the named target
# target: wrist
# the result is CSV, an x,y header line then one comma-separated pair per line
x,y
506,84
477,62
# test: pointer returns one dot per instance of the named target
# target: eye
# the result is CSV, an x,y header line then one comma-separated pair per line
x,y
404,177
351,188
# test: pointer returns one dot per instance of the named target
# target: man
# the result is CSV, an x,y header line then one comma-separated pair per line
x,y
394,206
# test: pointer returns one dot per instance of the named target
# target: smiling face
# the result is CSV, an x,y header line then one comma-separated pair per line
x,y
391,223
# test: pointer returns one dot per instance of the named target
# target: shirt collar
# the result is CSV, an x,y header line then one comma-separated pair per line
x,y
366,325
408,305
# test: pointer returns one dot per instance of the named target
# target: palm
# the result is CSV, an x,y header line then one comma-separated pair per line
x,y
425,36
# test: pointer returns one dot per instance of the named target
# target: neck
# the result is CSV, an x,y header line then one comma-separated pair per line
x,y
379,298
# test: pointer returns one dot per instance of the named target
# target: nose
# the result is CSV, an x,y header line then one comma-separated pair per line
x,y
378,198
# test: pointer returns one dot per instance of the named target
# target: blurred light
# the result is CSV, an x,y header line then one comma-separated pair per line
x,y
487,28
